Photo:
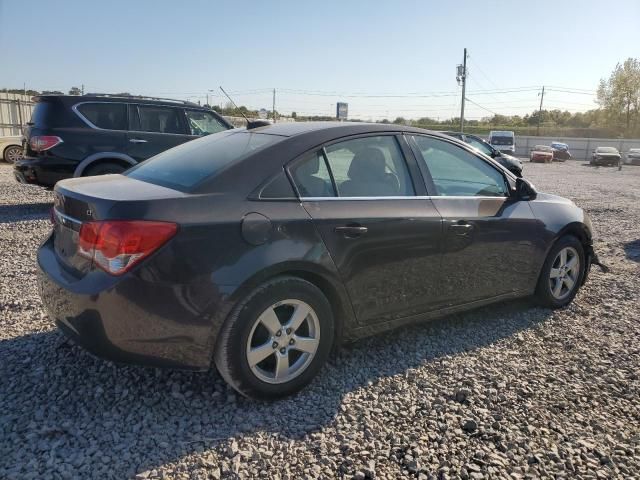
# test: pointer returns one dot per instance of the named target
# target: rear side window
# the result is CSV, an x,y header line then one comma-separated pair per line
x,y
312,177
41,113
159,119
369,167
109,116
186,165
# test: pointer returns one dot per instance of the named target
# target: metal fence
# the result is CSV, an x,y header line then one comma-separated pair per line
x,y
580,148
15,112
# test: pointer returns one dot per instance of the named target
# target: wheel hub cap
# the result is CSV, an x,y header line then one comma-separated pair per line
x,y
564,273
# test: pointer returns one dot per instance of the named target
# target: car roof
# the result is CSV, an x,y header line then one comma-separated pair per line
x,y
116,99
292,129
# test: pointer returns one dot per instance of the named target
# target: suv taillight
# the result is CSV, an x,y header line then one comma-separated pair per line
x,y
117,245
41,143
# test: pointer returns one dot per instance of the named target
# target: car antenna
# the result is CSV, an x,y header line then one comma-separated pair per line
x,y
250,123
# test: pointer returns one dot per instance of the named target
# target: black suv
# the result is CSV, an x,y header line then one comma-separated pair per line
x,y
74,136
509,162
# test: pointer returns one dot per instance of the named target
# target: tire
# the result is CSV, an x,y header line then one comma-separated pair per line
x,y
103,168
243,331
12,154
545,295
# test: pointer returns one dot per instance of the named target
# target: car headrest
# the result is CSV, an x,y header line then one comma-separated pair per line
x,y
367,165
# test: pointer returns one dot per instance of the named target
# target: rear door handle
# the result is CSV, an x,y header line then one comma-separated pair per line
x,y
462,229
137,140
352,230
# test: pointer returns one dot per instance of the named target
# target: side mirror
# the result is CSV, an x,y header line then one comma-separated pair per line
x,y
525,190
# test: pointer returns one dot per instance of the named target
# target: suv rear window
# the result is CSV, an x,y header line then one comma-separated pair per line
x,y
185,166
40,113
110,116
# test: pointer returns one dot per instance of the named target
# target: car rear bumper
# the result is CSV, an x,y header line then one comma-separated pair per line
x,y
130,319
45,171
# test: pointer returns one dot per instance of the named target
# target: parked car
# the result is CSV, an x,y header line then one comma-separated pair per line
x,y
560,151
606,156
633,156
76,136
507,161
11,148
503,140
541,154
340,231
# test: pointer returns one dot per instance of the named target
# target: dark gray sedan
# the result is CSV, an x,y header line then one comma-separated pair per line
x,y
259,250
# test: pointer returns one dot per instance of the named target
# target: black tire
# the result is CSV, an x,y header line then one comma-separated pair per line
x,y
103,168
12,153
544,295
230,354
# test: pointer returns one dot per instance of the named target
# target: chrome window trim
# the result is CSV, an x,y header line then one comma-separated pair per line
x,y
88,122
412,197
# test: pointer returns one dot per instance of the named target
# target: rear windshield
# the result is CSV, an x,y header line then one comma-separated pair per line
x,y
606,150
542,148
501,140
185,166
40,113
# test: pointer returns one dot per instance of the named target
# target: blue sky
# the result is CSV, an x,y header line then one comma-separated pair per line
x,y
183,49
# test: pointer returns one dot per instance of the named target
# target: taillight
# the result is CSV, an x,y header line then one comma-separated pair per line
x,y
40,143
117,245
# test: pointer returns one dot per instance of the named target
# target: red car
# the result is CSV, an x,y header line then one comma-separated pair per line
x,y
542,154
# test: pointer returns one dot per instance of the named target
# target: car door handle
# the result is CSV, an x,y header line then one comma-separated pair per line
x,y
137,140
351,231
461,229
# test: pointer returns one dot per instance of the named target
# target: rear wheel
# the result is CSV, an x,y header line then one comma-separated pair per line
x,y
562,273
276,340
103,169
12,154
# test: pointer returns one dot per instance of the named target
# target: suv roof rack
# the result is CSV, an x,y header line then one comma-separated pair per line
x,y
142,97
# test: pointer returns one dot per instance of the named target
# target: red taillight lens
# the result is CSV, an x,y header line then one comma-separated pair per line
x,y
44,142
117,245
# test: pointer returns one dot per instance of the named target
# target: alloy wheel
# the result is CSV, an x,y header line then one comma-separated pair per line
x,y
283,341
564,273
13,154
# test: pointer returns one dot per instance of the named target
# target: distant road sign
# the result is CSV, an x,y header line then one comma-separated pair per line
x,y
342,110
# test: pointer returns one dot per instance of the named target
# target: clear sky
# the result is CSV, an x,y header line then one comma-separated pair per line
x,y
340,50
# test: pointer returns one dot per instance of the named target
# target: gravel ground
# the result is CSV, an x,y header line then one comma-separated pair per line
x,y
508,391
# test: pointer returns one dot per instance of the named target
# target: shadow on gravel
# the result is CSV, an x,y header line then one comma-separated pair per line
x,y
71,407
24,212
632,249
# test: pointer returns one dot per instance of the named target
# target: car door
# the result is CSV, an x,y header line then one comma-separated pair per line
x,y
489,243
384,239
154,129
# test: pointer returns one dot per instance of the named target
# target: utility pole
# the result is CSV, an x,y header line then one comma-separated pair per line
x,y
82,90
462,77
274,105
540,111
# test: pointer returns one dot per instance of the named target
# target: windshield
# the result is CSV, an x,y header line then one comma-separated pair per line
x,y
478,145
501,140
606,150
185,166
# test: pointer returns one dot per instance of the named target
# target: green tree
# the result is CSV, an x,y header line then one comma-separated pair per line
x,y
75,91
619,95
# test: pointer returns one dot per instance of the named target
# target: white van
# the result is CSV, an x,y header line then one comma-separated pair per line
x,y
503,140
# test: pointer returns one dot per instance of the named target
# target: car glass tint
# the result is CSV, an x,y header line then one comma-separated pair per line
x,y
40,113
478,145
109,116
186,165
279,187
499,140
369,167
311,176
456,172
159,119
203,123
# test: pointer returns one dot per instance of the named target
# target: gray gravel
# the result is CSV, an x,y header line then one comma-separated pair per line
x,y
508,391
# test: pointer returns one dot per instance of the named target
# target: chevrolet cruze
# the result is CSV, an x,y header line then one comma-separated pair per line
x,y
260,250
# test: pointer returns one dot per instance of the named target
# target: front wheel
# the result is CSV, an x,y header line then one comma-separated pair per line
x,y
12,154
276,340
562,273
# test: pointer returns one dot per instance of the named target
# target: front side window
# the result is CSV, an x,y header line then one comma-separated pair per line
x,y
110,116
369,167
456,172
159,119
203,123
